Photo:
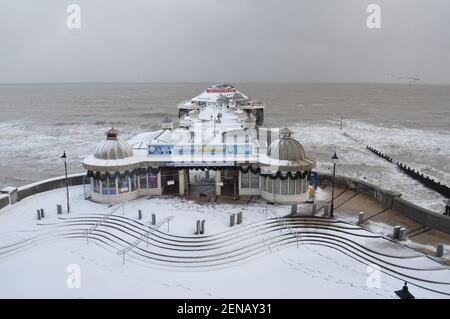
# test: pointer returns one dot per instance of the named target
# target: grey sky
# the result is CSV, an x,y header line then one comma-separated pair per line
x,y
224,40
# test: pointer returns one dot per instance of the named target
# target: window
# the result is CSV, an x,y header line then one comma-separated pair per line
x,y
276,186
133,182
143,181
264,183
105,187
96,185
284,187
245,180
112,186
269,184
291,186
298,185
123,185
153,178
254,180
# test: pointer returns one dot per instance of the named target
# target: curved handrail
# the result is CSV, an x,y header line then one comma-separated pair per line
x,y
146,235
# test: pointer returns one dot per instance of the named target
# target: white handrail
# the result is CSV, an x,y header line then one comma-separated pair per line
x,y
285,225
104,219
146,235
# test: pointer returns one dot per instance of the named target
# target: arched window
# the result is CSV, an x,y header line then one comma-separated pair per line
x,y
143,181
276,186
112,186
284,187
96,185
133,182
153,178
291,186
123,185
270,185
105,186
298,186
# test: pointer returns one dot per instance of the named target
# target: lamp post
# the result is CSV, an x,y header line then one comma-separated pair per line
x,y
64,159
404,293
334,158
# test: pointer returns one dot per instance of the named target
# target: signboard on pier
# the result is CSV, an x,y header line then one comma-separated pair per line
x,y
219,150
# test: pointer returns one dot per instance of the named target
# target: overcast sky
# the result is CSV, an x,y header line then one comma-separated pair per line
x,y
224,40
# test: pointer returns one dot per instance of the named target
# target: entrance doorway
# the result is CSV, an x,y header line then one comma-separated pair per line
x,y
230,178
202,182
170,181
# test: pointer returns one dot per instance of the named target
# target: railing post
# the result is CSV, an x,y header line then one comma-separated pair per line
x,y
239,218
232,217
440,250
294,209
360,218
402,233
202,228
197,231
396,232
326,210
314,209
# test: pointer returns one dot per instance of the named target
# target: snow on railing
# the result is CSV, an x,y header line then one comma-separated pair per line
x,y
104,220
145,236
284,225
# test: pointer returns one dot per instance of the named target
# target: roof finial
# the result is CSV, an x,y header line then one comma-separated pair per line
x,y
285,132
112,134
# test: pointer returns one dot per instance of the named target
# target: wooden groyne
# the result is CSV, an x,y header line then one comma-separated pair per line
x,y
427,181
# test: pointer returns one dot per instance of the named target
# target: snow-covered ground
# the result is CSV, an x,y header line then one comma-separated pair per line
x,y
262,258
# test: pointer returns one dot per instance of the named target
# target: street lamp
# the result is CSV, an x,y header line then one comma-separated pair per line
x,y
64,159
404,293
335,159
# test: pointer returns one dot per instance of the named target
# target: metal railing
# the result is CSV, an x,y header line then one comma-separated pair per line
x,y
104,220
285,225
145,236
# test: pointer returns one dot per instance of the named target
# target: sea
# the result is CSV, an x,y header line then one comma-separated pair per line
x,y
409,122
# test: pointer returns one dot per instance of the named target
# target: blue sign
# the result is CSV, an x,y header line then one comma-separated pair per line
x,y
160,150
199,150
314,179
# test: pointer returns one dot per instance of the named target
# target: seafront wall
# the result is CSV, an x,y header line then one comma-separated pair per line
x,y
422,216
383,196
392,200
41,186
49,184
4,200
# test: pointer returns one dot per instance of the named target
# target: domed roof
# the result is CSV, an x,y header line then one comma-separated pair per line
x,y
286,148
113,147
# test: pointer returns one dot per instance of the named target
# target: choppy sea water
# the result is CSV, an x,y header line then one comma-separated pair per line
x,y
409,122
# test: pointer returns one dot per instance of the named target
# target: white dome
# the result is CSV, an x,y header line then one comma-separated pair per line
x,y
286,148
113,148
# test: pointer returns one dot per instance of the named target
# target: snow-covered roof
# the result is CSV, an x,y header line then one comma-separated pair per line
x,y
113,147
